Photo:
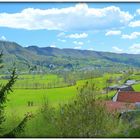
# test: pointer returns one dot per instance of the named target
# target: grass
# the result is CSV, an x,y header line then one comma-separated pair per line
x,y
136,87
17,105
18,100
135,77
37,81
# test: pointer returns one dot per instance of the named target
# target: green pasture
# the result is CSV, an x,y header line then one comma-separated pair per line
x,y
17,104
135,77
36,81
136,87
20,97
18,100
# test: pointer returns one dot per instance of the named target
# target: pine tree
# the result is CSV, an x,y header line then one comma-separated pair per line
x,y
4,90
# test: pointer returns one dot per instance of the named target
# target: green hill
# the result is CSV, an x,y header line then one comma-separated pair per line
x,y
55,59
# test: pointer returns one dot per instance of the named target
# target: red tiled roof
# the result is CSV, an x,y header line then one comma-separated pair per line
x,y
118,106
128,96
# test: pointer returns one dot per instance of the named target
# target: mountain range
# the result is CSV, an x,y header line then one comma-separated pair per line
x,y
49,58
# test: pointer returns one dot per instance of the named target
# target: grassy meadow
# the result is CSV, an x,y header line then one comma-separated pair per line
x,y
55,95
34,88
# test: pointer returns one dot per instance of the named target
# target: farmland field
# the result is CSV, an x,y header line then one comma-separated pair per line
x,y
55,96
28,88
136,87
17,104
22,95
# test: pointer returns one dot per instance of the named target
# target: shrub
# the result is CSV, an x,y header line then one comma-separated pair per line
x,y
83,117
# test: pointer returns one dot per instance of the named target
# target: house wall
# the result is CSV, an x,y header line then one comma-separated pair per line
x,y
115,97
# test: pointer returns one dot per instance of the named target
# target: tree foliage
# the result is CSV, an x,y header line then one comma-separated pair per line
x,y
4,90
19,128
85,116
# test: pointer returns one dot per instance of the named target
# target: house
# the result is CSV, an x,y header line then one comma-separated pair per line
x,y
127,97
119,106
130,82
127,103
131,108
121,88
114,87
125,88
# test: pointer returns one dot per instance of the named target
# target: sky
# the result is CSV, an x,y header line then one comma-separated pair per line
x,y
110,27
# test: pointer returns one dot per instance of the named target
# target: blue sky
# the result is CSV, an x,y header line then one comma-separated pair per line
x,y
112,27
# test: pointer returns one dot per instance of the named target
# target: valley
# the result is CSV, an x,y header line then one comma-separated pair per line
x,y
50,79
69,69
53,90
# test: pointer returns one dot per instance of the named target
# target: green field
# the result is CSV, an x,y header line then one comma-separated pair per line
x,y
136,87
37,81
17,104
19,98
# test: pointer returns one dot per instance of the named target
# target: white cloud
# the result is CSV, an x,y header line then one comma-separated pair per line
x,y
133,35
90,49
77,47
78,17
117,49
135,48
3,38
134,23
76,35
61,40
78,43
53,46
138,11
113,32
61,34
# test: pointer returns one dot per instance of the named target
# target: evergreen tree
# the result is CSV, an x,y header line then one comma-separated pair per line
x,y
4,90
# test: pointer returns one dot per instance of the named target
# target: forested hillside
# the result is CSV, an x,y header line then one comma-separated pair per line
x,y
55,59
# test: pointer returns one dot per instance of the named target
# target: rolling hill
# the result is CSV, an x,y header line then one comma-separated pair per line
x,y
63,59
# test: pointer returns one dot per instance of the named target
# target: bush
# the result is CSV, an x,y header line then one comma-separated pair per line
x,y
82,117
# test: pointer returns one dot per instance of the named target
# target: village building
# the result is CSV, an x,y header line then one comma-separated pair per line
x,y
114,87
119,106
127,97
127,86
124,101
121,88
130,82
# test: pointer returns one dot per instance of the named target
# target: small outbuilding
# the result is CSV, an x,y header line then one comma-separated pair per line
x,y
130,82
125,88
121,88
114,87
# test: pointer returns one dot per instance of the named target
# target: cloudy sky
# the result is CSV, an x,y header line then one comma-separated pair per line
x,y
113,27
